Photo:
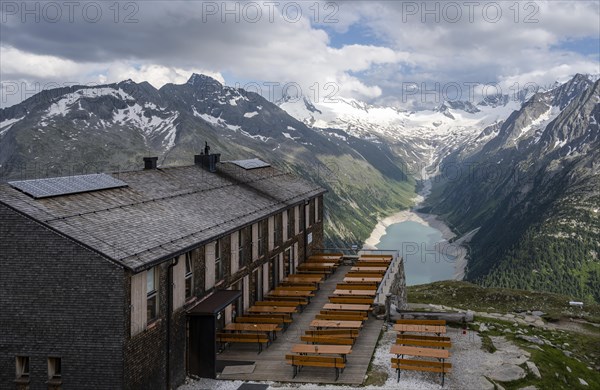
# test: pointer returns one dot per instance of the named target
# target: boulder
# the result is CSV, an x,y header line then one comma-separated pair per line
x,y
533,369
532,339
507,373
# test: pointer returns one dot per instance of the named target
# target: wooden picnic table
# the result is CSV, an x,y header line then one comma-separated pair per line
x,y
335,324
421,364
249,327
273,309
420,351
323,349
373,279
369,269
437,329
346,306
370,293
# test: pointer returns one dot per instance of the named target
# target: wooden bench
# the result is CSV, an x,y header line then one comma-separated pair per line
x,y
421,337
328,340
421,365
354,286
298,300
357,274
351,300
371,264
341,317
295,287
254,319
278,303
286,318
300,275
299,361
370,256
286,283
324,274
346,312
259,338
313,259
421,322
316,267
422,343
340,333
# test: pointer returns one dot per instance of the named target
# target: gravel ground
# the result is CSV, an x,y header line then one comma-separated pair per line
x,y
467,359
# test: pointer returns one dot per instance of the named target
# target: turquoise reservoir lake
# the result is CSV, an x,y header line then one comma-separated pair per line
x,y
425,252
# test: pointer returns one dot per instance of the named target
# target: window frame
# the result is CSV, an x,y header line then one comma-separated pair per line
x,y
22,367
219,271
241,259
189,276
290,232
52,365
277,231
152,295
261,238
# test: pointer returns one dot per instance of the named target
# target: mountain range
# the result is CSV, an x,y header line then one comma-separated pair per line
x,y
83,129
529,166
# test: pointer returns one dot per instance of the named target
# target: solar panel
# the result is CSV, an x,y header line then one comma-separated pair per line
x,y
251,163
56,186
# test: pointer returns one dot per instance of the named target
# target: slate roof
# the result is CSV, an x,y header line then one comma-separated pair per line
x,y
164,212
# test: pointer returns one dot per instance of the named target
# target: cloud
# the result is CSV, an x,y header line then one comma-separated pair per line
x,y
172,39
417,42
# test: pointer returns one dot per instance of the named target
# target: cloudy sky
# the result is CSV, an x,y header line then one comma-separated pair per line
x,y
380,52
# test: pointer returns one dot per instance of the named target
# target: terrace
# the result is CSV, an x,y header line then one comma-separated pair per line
x,y
241,361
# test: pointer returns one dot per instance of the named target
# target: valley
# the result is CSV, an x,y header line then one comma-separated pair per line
x,y
516,179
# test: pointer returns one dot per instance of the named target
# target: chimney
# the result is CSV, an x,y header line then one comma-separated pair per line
x,y
206,160
150,162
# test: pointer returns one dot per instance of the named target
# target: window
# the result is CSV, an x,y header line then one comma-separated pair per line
x,y
189,276
277,230
54,368
22,367
261,238
218,261
152,294
241,259
312,208
306,214
316,209
288,226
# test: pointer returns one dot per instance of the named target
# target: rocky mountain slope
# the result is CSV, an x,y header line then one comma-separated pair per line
x,y
421,138
533,189
83,129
